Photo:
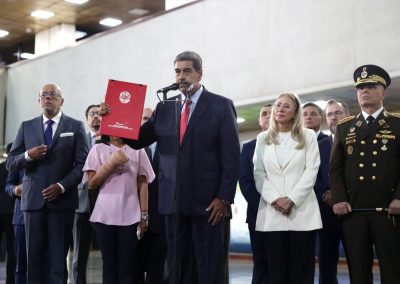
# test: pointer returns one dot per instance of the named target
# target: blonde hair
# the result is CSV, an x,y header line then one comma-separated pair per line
x,y
297,126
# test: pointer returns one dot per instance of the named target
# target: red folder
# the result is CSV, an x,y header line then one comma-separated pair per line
x,y
126,101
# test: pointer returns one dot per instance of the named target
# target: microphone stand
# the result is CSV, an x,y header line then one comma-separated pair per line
x,y
176,278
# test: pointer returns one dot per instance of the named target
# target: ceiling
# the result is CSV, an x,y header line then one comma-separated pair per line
x,y
16,19
347,94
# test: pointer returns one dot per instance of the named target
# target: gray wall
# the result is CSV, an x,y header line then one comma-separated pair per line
x,y
3,90
252,50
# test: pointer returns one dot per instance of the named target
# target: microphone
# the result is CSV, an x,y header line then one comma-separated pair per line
x,y
173,87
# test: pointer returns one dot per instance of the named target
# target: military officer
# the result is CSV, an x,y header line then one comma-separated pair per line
x,y
365,180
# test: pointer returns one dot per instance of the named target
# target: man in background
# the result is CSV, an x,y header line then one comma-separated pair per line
x,y
250,193
151,250
83,230
6,218
52,149
14,190
328,237
335,111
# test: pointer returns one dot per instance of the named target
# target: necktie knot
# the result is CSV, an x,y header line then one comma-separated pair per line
x,y
370,119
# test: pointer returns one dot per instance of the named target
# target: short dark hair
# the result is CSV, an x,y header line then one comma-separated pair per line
x,y
311,104
190,56
267,105
88,108
339,102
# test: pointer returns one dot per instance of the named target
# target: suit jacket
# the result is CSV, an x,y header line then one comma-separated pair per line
x,y
6,203
246,181
322,183
295,180
62,164
365,161
206,165
156,221
13,179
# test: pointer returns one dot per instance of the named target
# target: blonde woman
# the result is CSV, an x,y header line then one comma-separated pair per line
x,y
286,162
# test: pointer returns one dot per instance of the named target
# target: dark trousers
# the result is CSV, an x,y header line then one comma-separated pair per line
x,y
20,252
328,240
48,236
291,256
361,233
7,227
117,245
150,259
260,260
194,238
82,236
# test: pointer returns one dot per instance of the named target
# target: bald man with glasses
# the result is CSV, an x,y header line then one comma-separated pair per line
x,y
52,149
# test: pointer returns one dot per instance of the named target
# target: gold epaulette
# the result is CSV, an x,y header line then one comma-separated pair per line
x,y
394,114
346,119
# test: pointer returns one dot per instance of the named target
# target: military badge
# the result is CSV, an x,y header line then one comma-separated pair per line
x,y
359,123
384,147
364,73
381,122
350,150
352,129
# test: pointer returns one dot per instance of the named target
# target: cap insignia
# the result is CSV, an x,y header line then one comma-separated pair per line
x,y
364,73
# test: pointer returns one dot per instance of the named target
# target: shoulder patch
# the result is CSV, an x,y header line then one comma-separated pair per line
x,y
346,119
394,114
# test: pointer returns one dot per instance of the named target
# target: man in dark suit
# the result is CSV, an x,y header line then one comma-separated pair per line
x,y
83,230
250,193
198,171
329,236
53,169
365,181
151,250
335,111
6,217
14,190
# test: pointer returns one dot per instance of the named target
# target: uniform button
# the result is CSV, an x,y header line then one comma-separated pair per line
x,y
361,178
373,177
362,142
361,153
375,141
374,165
361,165
374,153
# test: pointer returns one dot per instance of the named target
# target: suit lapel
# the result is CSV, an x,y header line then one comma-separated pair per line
x,y
39,125
291,152
60,129
201,106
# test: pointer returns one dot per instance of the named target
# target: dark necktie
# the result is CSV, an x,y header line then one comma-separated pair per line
x,y
370,119
48,133
184,119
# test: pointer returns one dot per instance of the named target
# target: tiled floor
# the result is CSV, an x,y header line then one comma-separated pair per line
x,y
240,271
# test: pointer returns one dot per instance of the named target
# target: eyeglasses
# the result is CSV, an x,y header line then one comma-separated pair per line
x,y
51,94
335,113
284,107
94,113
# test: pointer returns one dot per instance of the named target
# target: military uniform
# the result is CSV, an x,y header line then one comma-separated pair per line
x,y
365,172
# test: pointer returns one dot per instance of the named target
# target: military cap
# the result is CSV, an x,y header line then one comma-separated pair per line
x,y
371,74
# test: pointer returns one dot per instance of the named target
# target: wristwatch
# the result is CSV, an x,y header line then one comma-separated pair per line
x,y
145,217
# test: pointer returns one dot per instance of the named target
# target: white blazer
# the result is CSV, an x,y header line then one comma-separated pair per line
x,y
295,180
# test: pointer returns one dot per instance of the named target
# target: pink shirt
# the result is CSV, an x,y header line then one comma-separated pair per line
x,y
118,199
